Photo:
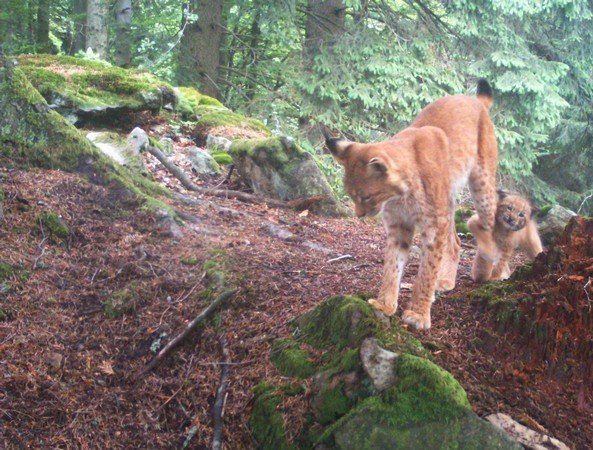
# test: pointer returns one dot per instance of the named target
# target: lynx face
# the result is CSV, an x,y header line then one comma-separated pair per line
x,y
371,177
513,212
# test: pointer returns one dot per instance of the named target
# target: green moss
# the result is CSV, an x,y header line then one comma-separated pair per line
x,y
189,261
276,151
339,321
6,315
332,404
266,422
222,158
86,84
213,118
544,210
121,302
427,408
6,270
290,359
190,100
54,224
2,195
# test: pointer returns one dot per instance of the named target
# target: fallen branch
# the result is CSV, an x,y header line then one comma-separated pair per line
x,y
205,314
299,204
221,394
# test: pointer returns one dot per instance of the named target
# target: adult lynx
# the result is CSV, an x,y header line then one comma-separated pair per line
x,y
412,179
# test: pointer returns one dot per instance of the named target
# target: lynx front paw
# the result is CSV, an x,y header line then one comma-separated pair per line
x,y
418,321
445,285
387,310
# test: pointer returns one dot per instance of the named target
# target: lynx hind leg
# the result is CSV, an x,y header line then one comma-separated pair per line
x,y
450,262
483,189
501,270
399,240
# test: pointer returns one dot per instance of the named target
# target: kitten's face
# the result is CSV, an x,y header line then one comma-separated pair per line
x,y
513,212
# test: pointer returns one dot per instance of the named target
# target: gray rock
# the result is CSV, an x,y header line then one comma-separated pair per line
x,y
138,139
525,436
378,363
552,224
121,150
218,143
167,226
278,168
202,162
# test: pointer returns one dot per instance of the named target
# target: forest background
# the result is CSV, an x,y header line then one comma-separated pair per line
x,y
364,68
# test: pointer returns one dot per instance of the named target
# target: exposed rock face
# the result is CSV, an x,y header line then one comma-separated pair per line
x,y
372,388
552,223
202,162
378,364
528,438
121,150
278,168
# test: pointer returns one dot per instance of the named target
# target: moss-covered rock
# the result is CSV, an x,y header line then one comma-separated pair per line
x,y
290,359
83,90
119,149
266,420
278,168
190,100
423,407
121,301
54,224
33,135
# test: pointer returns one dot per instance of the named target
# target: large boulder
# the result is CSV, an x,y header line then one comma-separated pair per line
x,y
277,168
372,387
33,135
551,222
86,91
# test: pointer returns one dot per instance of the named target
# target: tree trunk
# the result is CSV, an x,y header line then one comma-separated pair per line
x,y
199,57
325,23
123,19
43,11
79,26
97,33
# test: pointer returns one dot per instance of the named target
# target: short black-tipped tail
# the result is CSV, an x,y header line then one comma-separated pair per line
x,y
485,93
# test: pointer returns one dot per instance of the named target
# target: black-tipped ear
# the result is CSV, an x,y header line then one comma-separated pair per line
x,y
377,167
501,194
337,146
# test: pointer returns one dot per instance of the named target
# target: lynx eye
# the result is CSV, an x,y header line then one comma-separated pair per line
x,y
365,198
509,207
521,214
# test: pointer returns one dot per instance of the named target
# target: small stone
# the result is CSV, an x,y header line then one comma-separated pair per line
x,y
279,232
552,224
218,143
525,436
138,139
54,360
378,363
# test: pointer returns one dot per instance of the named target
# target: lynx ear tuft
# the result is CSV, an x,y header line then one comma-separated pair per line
x,y
337,146
377,167
501,194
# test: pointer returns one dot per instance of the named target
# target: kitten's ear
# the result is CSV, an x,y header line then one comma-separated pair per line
x,y
501,194
338,147
534,211
377,167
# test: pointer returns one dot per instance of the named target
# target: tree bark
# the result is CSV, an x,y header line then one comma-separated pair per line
x,y
325,23
97,33
43,11
78,25
123,19
199,53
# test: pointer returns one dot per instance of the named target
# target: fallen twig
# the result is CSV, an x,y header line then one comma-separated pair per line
x,y
298,204
205,314
221,394
340,258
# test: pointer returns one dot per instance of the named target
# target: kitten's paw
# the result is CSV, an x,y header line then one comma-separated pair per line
x,y
445,285
418,321
387,310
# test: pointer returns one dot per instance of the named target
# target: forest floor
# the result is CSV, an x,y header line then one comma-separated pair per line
x,y
69,365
